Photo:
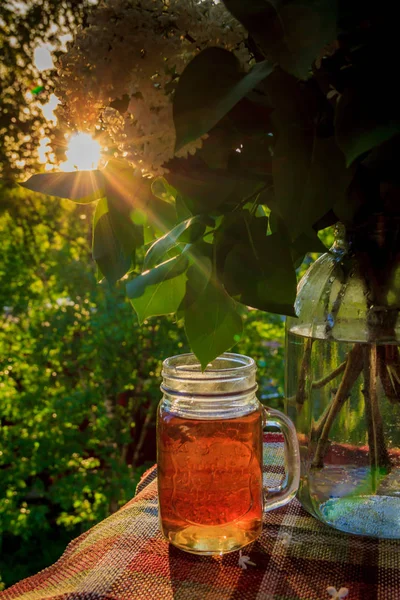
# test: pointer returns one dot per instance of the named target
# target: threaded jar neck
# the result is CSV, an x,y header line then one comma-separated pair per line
x,y
226,388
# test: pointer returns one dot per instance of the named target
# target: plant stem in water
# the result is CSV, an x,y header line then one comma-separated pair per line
x,y
388,362
304,377
352,371
319,383
378,454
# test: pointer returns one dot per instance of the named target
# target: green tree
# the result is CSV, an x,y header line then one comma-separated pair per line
x,y
79,380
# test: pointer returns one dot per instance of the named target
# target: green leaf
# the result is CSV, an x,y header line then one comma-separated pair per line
x,y
309,172
212,323
366,117
292,33
159,291
209,191
162,190
161,215
182,210
107,251
198,276
259,270
101,209
200,270
129,235
138,217
122,188
132,197
186,232
204,189
305,243
198,104
80,186
231,230
328,179
363,191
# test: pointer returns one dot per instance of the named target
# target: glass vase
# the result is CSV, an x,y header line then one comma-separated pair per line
x,y
343,381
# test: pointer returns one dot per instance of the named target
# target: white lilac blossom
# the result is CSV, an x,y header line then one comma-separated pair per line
x,y
244,561
337,594
284,539
137,49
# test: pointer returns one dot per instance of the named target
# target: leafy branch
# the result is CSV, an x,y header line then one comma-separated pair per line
x,y
295,142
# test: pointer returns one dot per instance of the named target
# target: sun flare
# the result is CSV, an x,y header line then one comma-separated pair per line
x,y
83,153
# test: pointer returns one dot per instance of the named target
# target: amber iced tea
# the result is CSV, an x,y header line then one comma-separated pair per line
x,y
210,481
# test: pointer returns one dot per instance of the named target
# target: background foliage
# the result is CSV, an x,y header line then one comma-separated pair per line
x,y
79,382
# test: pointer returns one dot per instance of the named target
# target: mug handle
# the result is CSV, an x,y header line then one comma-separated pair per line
x,y
276,497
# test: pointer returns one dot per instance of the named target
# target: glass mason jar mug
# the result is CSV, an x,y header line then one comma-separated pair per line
x,y
210,455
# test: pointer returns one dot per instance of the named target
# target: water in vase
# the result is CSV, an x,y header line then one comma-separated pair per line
x,y
344,398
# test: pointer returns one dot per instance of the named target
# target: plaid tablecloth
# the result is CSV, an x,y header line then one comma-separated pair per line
x,y
296,558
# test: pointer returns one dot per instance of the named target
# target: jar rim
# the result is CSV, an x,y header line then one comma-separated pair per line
x,y
226,385
228,364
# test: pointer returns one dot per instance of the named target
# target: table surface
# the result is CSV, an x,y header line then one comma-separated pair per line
x,y
296,558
